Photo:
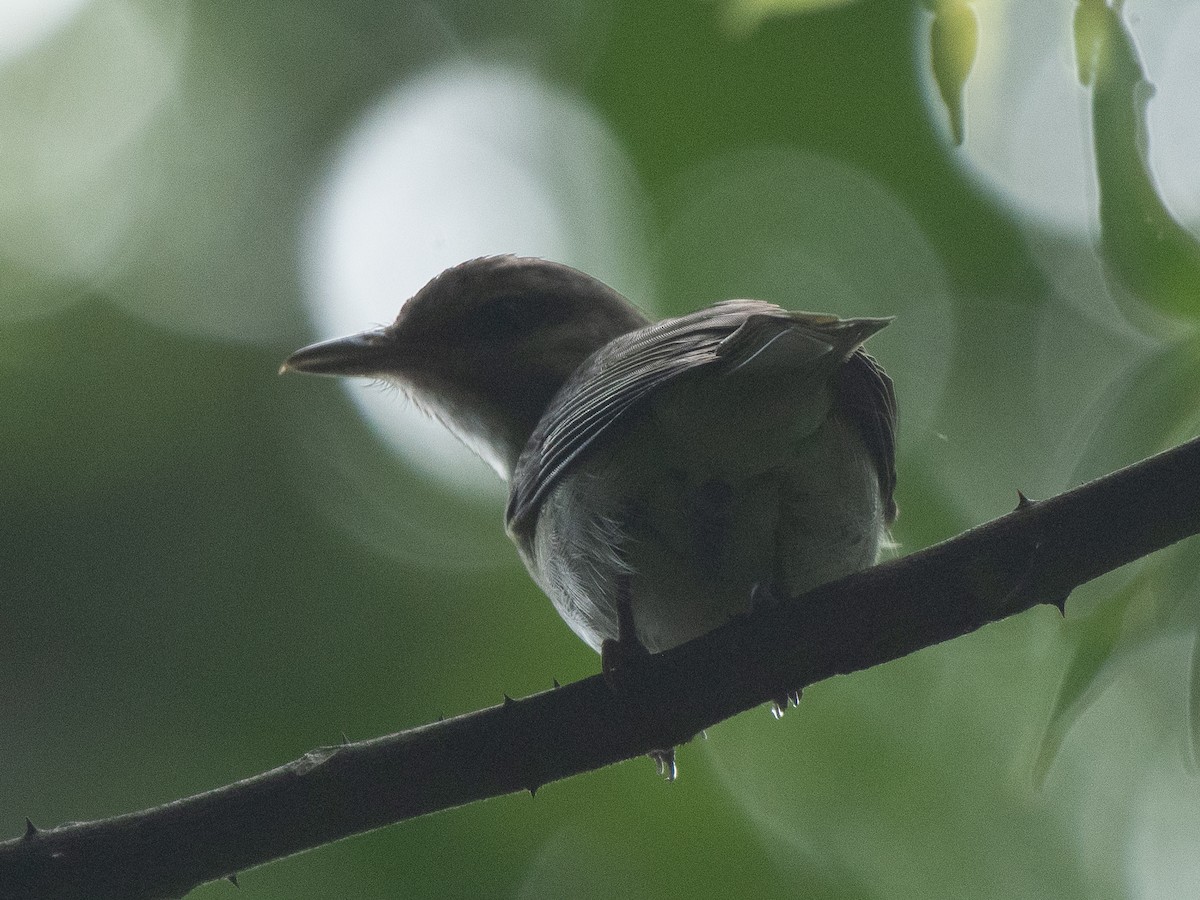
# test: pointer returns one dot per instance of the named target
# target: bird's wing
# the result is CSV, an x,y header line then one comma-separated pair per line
x,y
613,380
866,397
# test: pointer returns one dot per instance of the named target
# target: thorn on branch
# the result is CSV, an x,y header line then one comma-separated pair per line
x,y
233,879
556,684
345,740
1009,566
1023,502
508,701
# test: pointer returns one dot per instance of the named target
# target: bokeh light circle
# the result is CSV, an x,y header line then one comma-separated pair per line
x,y
464,161
80,170
811,232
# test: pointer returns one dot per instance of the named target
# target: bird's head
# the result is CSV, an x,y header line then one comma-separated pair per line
x,y
484,346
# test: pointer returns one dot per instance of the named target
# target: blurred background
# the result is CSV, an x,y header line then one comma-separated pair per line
x,y
206,570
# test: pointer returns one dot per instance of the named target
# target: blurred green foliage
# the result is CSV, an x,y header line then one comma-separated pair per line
x,y
206,570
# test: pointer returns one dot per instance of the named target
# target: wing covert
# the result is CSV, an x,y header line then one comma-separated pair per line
x,y
730,334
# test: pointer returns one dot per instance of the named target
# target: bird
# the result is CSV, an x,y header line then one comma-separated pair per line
x,y
663,477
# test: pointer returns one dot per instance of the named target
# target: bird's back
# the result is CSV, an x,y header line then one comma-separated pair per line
x,y
734,472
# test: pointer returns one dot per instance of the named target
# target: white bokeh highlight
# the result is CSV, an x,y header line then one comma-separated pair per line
x,y
1028,119
79,173
1163,859
1172,51
464,161
26,23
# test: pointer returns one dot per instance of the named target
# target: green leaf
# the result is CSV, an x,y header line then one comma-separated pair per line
x,y
1095,638
1090,28
1144,247
1194,705
953,41
1153,405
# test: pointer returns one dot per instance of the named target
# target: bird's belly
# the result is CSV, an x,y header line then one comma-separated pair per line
x,y
697,527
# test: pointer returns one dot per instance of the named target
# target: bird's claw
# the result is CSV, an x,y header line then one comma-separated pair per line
x,y
780,704
665,760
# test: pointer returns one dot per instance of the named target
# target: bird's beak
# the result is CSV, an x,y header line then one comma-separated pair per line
x,y
367,353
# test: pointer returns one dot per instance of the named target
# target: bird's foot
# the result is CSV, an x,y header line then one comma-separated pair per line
x,y
620,659
763,595
665,760
623,656
619,662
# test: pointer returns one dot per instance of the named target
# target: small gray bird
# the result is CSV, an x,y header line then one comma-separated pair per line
x,y
663,477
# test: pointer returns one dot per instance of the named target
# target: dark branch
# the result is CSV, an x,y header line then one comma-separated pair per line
x,y
1036,554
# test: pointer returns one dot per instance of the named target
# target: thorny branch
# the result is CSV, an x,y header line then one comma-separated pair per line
x,y
1036,554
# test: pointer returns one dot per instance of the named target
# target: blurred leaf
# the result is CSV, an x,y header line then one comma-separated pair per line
x,y
953,40
1089,27
1095,639
1156,403
916,750
1145,248
1151,407
1194,705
